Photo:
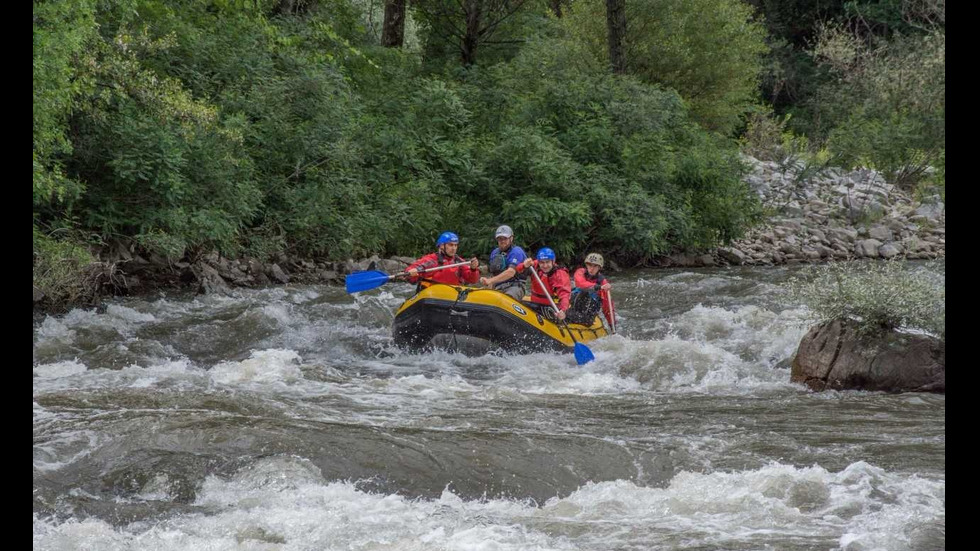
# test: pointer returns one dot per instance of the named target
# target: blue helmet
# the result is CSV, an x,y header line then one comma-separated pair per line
x,y
545,253
447,237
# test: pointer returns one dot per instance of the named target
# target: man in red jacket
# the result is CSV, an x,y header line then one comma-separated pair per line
x,y
591,290
555,280
446,247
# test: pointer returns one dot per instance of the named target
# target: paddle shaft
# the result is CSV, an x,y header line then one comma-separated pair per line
x,y
545,289
552,302
612,311
436,269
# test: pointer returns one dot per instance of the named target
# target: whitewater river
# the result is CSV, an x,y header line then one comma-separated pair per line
x,y
282,418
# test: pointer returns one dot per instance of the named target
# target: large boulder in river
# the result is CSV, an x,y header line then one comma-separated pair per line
x,y
834,355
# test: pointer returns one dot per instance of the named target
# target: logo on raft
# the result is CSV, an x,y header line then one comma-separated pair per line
x,y
520,310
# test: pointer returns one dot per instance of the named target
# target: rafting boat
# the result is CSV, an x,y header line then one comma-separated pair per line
x,y
449,310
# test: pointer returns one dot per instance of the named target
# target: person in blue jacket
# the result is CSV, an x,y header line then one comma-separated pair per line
x,y
504,260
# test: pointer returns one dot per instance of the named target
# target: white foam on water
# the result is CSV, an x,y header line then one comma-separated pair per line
x,y
283,503
754,334
673,364
70,377
54,330
263,366
56,449
59,369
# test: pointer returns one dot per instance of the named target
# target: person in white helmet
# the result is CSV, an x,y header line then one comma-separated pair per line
x,y
591,292
504,261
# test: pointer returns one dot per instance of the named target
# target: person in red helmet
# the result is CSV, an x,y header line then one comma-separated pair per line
x,y
446,246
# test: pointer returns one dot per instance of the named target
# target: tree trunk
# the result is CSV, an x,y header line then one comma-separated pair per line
x,y
393,33
556,7
474,17
616,24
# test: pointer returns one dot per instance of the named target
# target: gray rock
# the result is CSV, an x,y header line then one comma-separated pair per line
x,y
917,245
792,224
361,265
931,211
732,256
811,253
229,271
825,252
277,274
788,248
390,266
209,281
857,209
890,250
212,258
793,210
683,260
867,248
817,218
881,233
845,235
834,356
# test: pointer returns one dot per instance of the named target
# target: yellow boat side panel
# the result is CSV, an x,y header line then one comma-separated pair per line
x,y
504,303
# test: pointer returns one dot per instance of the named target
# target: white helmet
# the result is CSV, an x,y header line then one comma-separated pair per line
x,y
504,231
594,258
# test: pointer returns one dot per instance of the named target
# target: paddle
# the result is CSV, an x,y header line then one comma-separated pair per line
x,y
371,279
612,311
583,354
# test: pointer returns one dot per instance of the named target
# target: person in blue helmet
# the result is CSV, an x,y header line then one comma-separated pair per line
x,y
556,283
446,246
504,261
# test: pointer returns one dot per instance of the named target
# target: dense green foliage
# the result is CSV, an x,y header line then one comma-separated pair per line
x,y
710,51
864,79
189,125
256,128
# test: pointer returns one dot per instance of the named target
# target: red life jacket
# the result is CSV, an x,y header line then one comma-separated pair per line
x,y
449,276
590,284
556,283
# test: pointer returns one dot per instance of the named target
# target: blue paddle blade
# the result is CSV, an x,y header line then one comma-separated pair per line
x,y
364,281
583,354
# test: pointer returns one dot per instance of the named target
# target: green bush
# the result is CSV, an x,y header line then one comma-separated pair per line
x,y
709,51
879,296
64,270
240,127
887,106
